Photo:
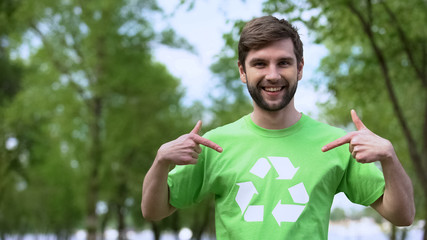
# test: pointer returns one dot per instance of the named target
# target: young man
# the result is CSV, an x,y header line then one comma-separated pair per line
x,y
274,172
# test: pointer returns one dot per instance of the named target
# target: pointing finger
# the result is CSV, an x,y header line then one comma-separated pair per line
x,y
340,141
206,142
359,124
196,129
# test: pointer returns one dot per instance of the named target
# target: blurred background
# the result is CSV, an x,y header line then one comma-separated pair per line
x,y
89,90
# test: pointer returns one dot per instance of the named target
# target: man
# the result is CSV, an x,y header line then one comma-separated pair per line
x,y
272,175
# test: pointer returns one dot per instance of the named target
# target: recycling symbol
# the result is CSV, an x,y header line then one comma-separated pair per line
x,y
281,212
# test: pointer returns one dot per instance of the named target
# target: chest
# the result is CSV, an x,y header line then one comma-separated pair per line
x,y
280,169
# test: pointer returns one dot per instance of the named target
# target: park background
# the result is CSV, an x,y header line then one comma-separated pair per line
x,y
90,89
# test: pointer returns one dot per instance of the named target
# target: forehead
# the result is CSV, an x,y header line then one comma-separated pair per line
x,y
276,50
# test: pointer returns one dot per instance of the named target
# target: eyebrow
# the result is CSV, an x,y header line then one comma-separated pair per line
x,y
289,59
254,60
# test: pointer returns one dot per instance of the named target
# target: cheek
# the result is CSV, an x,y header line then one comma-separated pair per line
x,y
255,76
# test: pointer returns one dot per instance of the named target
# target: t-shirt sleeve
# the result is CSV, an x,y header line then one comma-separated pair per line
x,y
187,183
362,183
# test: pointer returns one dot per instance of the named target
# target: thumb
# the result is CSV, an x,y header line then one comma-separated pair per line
x,y
197,128
356,120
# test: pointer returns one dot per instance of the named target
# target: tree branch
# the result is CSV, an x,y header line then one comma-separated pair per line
x,y
370,17
424,58
77,49
424,144
58,64
420,70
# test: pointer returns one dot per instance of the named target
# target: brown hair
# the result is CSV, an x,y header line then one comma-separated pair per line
x,y
260,32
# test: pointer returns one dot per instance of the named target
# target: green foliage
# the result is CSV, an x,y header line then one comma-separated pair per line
x,y
338,214
90,107
9,80
169,37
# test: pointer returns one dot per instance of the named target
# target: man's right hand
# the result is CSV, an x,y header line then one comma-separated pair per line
x,y
185,149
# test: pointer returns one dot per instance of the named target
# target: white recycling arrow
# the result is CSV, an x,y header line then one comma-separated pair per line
x,y
254,213
245,193
261,168
298,193
284,167
287,212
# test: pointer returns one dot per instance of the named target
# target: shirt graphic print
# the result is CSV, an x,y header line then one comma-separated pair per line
x,y
282,212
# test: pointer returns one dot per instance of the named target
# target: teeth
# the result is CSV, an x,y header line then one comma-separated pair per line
x,y
273,89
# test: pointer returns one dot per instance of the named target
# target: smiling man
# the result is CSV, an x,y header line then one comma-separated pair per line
x,y
274,172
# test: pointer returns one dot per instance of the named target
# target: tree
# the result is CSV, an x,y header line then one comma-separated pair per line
x,y
377,64
93,108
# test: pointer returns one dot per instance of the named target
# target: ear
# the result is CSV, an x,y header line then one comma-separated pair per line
x,y
300,69
241,72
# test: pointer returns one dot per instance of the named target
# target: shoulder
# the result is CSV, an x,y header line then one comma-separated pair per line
x,y
322,130
235,128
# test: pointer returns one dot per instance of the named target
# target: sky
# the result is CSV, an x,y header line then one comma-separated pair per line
x,y
203,27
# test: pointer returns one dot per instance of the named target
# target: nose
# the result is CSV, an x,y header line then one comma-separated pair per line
x,y
272,73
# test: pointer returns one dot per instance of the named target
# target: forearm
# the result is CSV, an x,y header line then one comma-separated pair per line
x,y
397,203
155,193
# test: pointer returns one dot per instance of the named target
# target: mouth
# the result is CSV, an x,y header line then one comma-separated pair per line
x,y
272,89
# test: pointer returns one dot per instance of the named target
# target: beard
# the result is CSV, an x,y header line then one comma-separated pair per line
x,y
255,92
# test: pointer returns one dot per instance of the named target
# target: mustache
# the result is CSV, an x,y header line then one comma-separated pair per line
x,y
269,83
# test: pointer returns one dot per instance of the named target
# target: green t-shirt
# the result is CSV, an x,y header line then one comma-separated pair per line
x,y
274,184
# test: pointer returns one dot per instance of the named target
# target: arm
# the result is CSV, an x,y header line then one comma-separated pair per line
x,y
155,192
181,151
397,203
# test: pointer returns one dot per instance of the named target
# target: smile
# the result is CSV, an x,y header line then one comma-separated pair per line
x,y
272,89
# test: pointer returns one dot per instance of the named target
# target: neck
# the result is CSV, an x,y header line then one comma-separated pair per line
x,y
281,119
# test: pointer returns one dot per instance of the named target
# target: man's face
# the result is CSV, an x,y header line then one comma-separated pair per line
x,y
272,75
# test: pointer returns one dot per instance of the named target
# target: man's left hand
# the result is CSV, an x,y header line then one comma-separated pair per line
x,y
365,146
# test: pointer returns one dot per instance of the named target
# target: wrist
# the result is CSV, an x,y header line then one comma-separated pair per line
x,y
389,159
389,155
161,162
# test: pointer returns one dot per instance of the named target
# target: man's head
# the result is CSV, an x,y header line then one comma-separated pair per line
x,y
260,32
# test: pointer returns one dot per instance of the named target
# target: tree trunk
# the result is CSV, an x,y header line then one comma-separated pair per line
x,y
95,156
175,224
61,235
156,230
105,221
205,222
425,226
122,192
121,227
404,234
393,232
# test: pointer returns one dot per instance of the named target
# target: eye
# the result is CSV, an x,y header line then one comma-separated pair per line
x,y
284,63
258,64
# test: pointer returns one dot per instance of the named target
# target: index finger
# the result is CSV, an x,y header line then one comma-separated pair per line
x,y
206,142
340,141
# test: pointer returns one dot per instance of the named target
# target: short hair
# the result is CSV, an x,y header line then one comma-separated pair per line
x,y
262,31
